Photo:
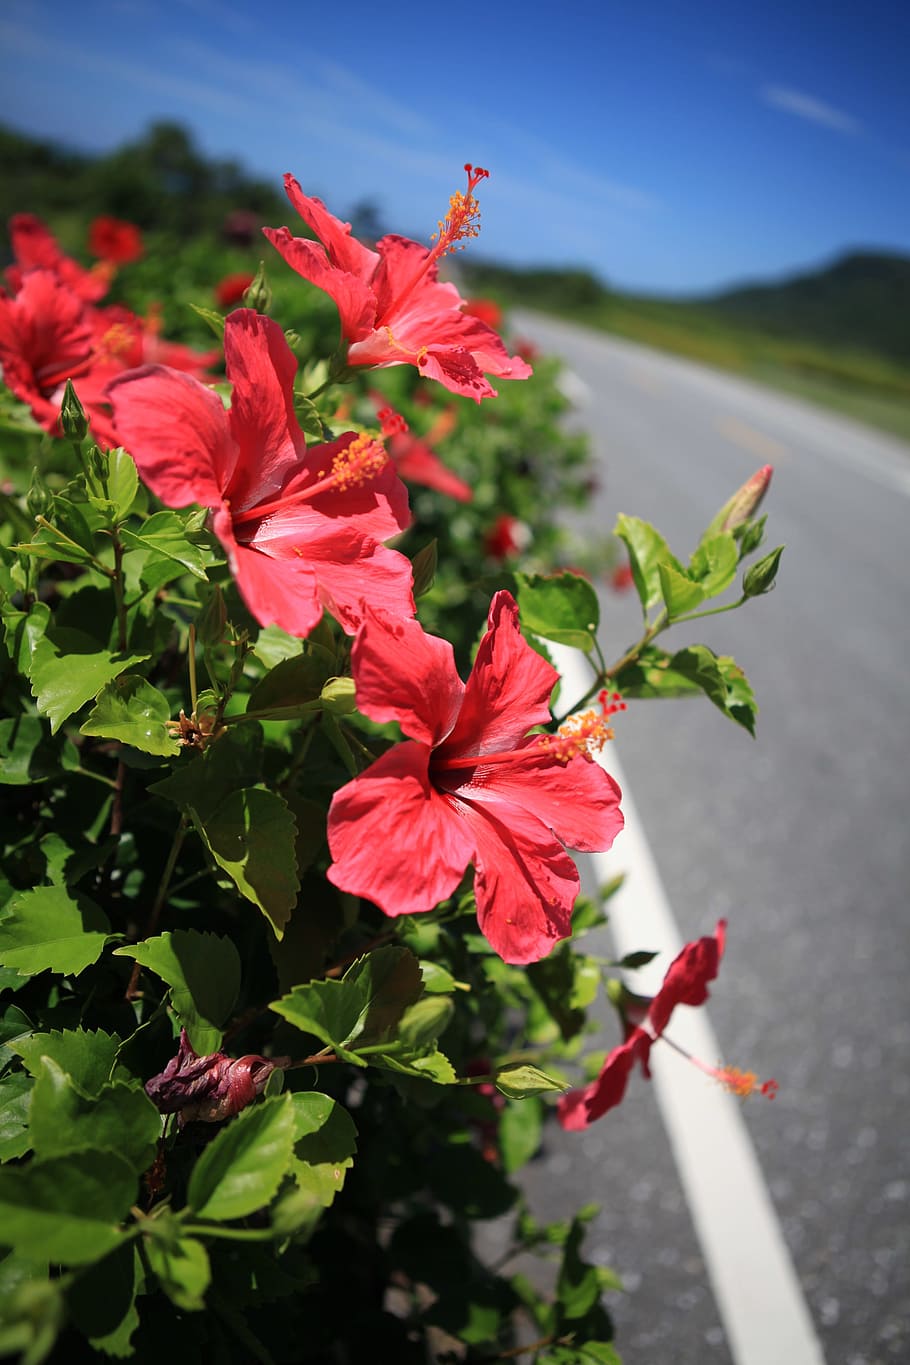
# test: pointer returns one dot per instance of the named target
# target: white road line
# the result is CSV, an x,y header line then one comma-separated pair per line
x,y
758,1295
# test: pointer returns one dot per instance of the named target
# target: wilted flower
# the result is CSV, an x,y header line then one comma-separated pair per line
x,y
209,1089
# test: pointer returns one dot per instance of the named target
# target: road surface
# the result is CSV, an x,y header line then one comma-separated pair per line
x,y
799,838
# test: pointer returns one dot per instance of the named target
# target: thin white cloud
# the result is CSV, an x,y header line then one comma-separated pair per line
x,y
808,107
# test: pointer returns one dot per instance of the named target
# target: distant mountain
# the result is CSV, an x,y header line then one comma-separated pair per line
x,y
859,302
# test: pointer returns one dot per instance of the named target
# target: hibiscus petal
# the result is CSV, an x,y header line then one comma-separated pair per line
x,y
177,432
417,463
269,445
367,578
343,248
282,592
577,800
686,981
458,371
582,1107
394,840
508,691
525,882
404,674
355,300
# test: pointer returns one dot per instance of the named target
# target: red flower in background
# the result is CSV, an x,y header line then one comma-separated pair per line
x,y
36,248
471,786
232,288
127,341
115,241
302,528
486,309
414,460
685,983
394,311
621,578
506,537
47,337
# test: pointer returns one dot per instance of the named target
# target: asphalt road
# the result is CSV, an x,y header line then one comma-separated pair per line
x,y
799,838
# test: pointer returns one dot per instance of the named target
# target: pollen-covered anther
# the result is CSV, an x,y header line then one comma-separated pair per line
x,y
743,1083
115,342
583,734
463,218
359,462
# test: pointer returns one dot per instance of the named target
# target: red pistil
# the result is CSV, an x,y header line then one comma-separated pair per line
x,y
356,464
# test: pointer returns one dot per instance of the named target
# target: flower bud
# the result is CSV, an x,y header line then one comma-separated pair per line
x,y
744,503
760,578
39,499
72,415
259,295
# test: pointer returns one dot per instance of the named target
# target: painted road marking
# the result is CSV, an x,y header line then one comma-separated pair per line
x,y
749,438
758,1295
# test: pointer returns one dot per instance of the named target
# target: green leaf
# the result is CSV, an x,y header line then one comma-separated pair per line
x,y
122,482
164,536
578,1284
201,782
423,1022
133,711
714,563
203,972
213,319
28,754
561,607
66,1209
722,681
182,1268
33,1310
424,565
292,687
120,1119
520,1079
308,417
679,592
520,1129
325,1143
274,644
647,549
241,1170
101,1300
363,1007
15,1101
68,668
46,929
422,1065
252,836
86,1055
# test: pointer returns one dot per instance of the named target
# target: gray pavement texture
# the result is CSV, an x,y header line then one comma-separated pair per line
x,y
800,839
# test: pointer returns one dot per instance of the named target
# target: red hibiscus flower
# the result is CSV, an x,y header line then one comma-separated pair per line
x,y
209,1089
644,1021
486,309
414,460
472,786
232,288
621,578
507,536
393,309
36,248
301,527
115,241
47,337
125,340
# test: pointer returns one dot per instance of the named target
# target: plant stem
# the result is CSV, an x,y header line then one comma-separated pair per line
x,y
710,611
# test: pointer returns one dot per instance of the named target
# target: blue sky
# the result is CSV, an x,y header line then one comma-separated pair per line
x,y
671,147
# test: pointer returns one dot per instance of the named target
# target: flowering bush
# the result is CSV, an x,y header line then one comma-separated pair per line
x,y
260,791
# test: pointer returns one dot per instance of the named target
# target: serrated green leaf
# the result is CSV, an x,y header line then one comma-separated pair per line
x,y
86,1055
363,1007
182,1269
15,1100
561,607
722,681
679,592
122,482
422,1065
647,549
46,929
29,754
203,972
133,711
308,416
202,781
325,1143
241,1170
252,835
714,563
66,1209
121,1118
69,668
164,535
520,1079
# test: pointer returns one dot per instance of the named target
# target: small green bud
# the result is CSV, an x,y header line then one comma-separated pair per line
x,y
744,503
760,578
338,695
39,499
72,415
751,535
258,295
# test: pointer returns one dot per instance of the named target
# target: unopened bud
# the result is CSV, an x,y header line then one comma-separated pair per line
x,y
72,415
258,295
760,578
744,503
39,499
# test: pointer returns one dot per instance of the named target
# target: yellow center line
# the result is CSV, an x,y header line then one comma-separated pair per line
x,y
747,438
